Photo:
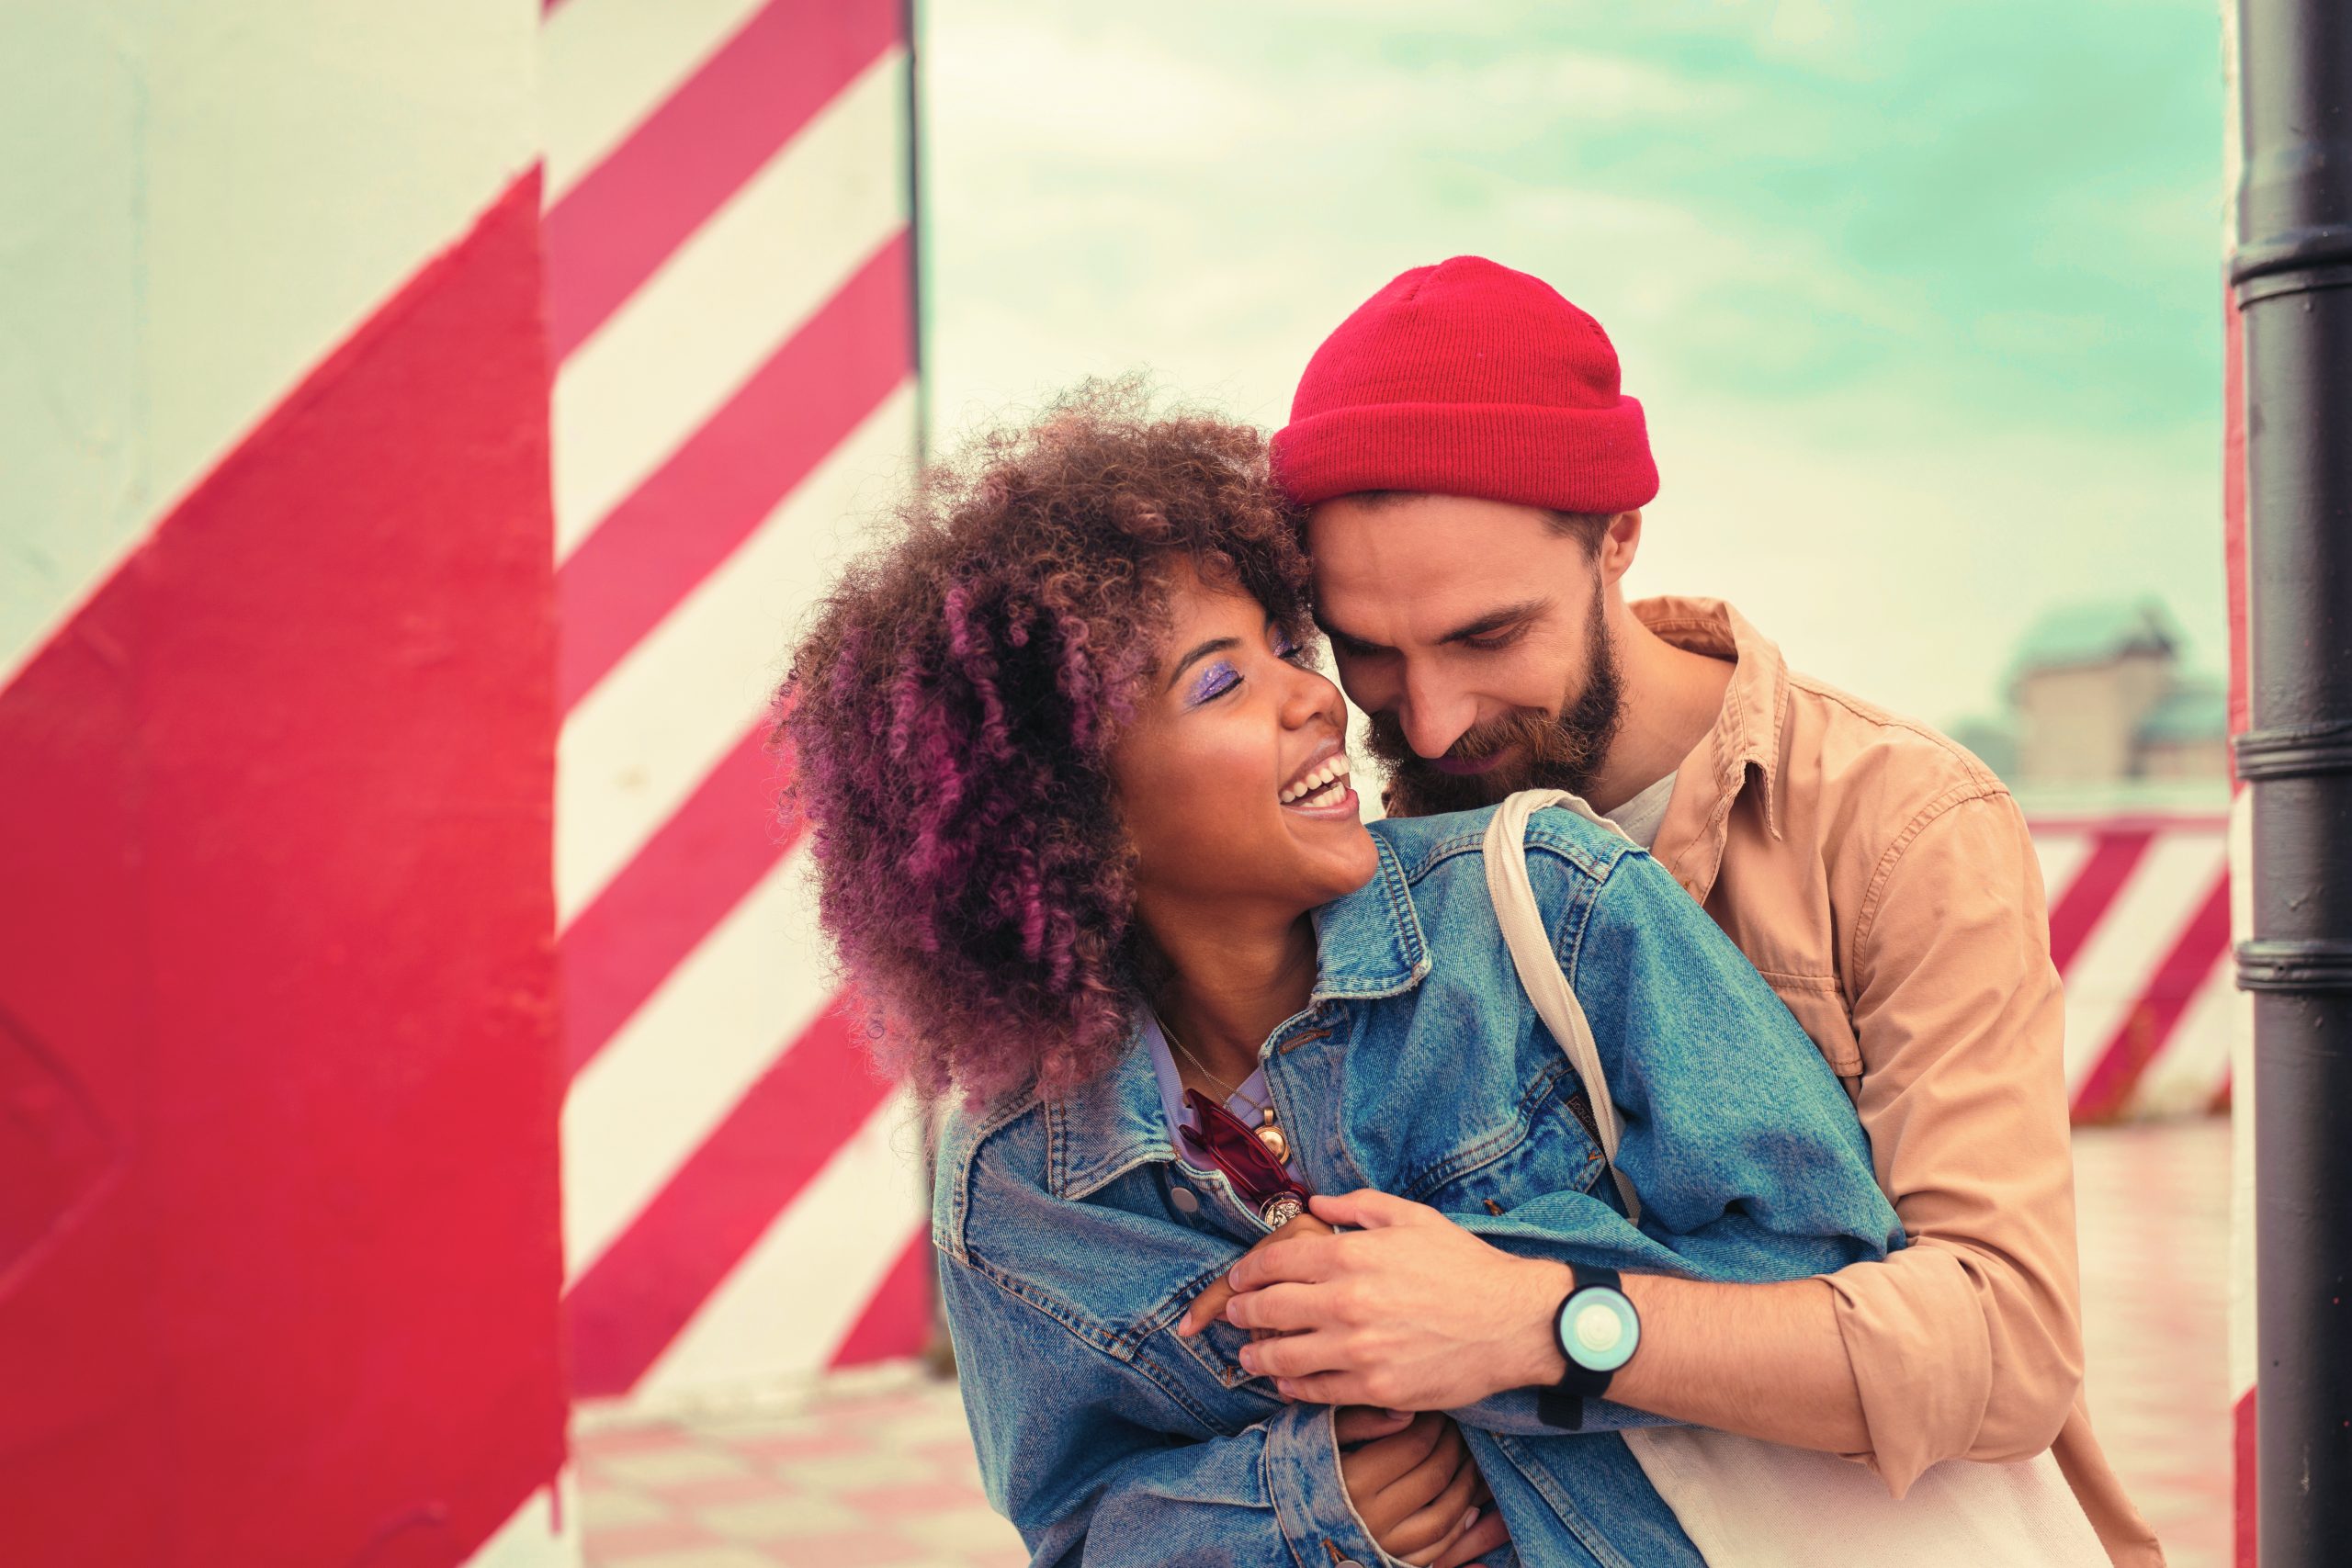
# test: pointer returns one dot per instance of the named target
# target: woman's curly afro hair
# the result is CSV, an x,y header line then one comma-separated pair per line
x,y
951,716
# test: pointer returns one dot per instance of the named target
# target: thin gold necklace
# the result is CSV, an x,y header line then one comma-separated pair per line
x,y
1269,1130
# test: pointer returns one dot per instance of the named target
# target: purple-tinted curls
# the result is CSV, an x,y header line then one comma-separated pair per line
x,y
950,716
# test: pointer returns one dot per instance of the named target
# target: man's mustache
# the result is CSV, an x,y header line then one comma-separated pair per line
x,y
1524,729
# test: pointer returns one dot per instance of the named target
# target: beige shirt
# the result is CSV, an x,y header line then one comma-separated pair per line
x,y
1884,882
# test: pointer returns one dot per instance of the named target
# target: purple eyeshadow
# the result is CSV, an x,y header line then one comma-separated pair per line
x,y
1213,680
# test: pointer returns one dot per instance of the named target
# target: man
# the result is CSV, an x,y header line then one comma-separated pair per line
x,y
1475,483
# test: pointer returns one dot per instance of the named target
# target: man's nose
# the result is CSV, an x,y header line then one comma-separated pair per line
x,y
1433,719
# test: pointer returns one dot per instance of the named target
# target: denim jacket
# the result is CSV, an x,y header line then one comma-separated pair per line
x,y
1071,1238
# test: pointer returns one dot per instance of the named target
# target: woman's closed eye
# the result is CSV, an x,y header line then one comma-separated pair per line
x,y
1221,677
1212,683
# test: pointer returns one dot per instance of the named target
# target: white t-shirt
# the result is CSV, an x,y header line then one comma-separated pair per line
x,y
1639,818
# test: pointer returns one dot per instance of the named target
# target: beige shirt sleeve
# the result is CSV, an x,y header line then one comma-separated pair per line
x,y
1968,1343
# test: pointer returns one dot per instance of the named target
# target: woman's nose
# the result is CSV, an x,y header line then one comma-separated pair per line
x,y
1309,696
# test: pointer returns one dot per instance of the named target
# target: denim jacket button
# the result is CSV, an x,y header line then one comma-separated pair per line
x,y
1184,1201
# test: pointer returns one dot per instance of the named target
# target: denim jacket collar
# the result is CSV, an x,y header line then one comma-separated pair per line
x,y
1107,1126
1369,944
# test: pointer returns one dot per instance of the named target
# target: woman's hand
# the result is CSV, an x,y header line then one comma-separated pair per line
x,y
1209,1305
1414,1484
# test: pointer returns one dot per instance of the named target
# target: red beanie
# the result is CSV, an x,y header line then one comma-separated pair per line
x,y
1467,378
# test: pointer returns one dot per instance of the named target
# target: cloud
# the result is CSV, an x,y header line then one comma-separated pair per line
x,y
1939,274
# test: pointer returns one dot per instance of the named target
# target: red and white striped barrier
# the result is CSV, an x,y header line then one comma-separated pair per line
x,y
731,305
2140,929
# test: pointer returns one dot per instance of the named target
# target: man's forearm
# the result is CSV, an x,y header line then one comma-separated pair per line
x,y
1409,1310
1763,1361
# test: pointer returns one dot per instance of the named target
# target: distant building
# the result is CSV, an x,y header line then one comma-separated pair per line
x,y
2188,736
2097,698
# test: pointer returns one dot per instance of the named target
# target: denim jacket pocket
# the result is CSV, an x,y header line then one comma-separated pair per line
x,y
1541,1145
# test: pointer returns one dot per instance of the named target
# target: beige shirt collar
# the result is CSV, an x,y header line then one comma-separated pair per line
x,y
1746,736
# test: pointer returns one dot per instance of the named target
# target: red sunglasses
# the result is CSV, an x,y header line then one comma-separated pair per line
x,y
1227,1143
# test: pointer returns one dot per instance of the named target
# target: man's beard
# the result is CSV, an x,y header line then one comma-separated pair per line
x,y
1566,752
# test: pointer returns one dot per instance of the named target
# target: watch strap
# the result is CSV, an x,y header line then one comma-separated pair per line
x,y
1565,1411
1562,1405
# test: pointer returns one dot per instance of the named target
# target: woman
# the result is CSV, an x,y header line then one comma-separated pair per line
x,y
1085,836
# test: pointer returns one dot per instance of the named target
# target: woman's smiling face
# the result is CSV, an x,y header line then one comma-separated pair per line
x,y
1232,776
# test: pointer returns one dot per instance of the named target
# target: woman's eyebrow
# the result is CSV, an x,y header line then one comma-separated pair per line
x,y
1214,645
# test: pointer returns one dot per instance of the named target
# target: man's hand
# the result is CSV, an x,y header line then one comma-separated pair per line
x,y
1414,1484
1409,1312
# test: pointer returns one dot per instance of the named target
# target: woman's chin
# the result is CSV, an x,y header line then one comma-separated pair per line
x,y
1335,845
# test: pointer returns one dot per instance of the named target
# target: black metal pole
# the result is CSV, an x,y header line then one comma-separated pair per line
x,y
2293,274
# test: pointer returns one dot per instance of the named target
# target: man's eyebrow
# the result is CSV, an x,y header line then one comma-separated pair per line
x,y
1214,645
1495,620
1335,635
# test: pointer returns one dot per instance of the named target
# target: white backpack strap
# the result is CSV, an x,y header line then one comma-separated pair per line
x,y
1539,971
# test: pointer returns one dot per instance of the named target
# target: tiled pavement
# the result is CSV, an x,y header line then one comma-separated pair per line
x,y
876,1468
2154,1205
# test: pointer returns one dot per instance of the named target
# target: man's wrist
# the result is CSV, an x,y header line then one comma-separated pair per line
x,y
1533,1359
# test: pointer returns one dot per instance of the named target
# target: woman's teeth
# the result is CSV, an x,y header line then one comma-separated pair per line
x,y
1325,786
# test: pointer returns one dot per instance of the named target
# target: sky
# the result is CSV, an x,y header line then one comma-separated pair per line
x,y
1923,300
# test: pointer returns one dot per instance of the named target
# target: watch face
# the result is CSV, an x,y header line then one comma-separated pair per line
x,y
1598,1329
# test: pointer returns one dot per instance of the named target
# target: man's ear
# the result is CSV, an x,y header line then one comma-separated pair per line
x,y
1619,544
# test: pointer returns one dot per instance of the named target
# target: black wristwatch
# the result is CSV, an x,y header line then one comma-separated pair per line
x,y
1598,1331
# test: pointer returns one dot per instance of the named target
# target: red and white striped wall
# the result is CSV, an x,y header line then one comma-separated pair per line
x,y
278,1245
730,309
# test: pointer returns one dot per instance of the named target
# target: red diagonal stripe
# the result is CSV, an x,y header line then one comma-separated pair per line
x,y
642,1294
2145,1028
702,863
897,1318
712,494
627,214
2108,866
